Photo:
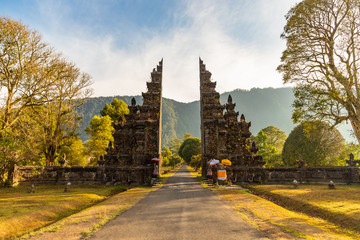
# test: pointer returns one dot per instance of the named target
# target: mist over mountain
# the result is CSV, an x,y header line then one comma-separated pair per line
x,y
263,107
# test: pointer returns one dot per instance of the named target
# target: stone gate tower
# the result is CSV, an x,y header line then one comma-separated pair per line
x,y
222,134
137,138
211,118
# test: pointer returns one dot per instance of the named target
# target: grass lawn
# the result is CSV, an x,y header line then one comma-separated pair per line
x,y
281,222
84,223
21,212
36,214
340,206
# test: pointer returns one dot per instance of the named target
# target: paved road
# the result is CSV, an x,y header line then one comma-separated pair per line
x,y
181,209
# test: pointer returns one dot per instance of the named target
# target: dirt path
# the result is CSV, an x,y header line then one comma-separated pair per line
x,y
181,209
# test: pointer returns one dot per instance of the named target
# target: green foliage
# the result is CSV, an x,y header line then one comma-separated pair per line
x,y
187,136
14,151
275,137
175,160
316,142
76,152
196,161
349,148
115,110
8,158
100,132
189,148
352,148
275,160
100,129
166,154
261,139
169,157
269,152
30,135
175,145
322,59
56,125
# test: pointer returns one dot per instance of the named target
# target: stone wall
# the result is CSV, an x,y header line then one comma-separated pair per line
x,y
137,175
342,175
38,175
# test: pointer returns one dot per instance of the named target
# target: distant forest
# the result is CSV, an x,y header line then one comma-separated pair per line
x,y
263,107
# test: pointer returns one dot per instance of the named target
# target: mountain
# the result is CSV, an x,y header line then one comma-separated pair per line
x,y
263,107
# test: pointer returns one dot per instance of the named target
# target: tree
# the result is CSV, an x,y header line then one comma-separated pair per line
x,y
9,156
275,137
189,148
175,145
28,135
315,142
352,148
345,155
269,152
18,148
25,67
41,90
169,157
101,128
187,136
175,160
323,59
115,110
57,117
100,133
75,152
166,155
196,161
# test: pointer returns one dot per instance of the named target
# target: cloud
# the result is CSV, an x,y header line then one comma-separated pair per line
x,y
238,40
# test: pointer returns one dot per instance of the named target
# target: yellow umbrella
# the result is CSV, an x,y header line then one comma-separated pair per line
x,y
226,162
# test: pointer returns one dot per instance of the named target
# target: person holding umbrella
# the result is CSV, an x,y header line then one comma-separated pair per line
x,y
156,162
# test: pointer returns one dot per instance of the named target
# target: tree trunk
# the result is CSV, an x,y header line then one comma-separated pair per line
x,y
50,155
10,174
355,123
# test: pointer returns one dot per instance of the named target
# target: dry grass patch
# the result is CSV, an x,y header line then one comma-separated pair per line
x,y
340,206
21,212
271,218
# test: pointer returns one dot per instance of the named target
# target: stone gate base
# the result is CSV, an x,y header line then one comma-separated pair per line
x,y
342,175
38,175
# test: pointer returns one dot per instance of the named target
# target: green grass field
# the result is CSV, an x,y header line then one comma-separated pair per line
x,y
21,212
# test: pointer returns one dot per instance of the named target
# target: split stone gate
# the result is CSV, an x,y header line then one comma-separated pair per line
x,y
137,140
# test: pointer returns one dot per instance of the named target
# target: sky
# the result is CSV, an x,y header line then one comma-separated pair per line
x,y
119,42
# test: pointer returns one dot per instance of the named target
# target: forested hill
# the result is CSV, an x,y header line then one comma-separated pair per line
x,y
263,107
